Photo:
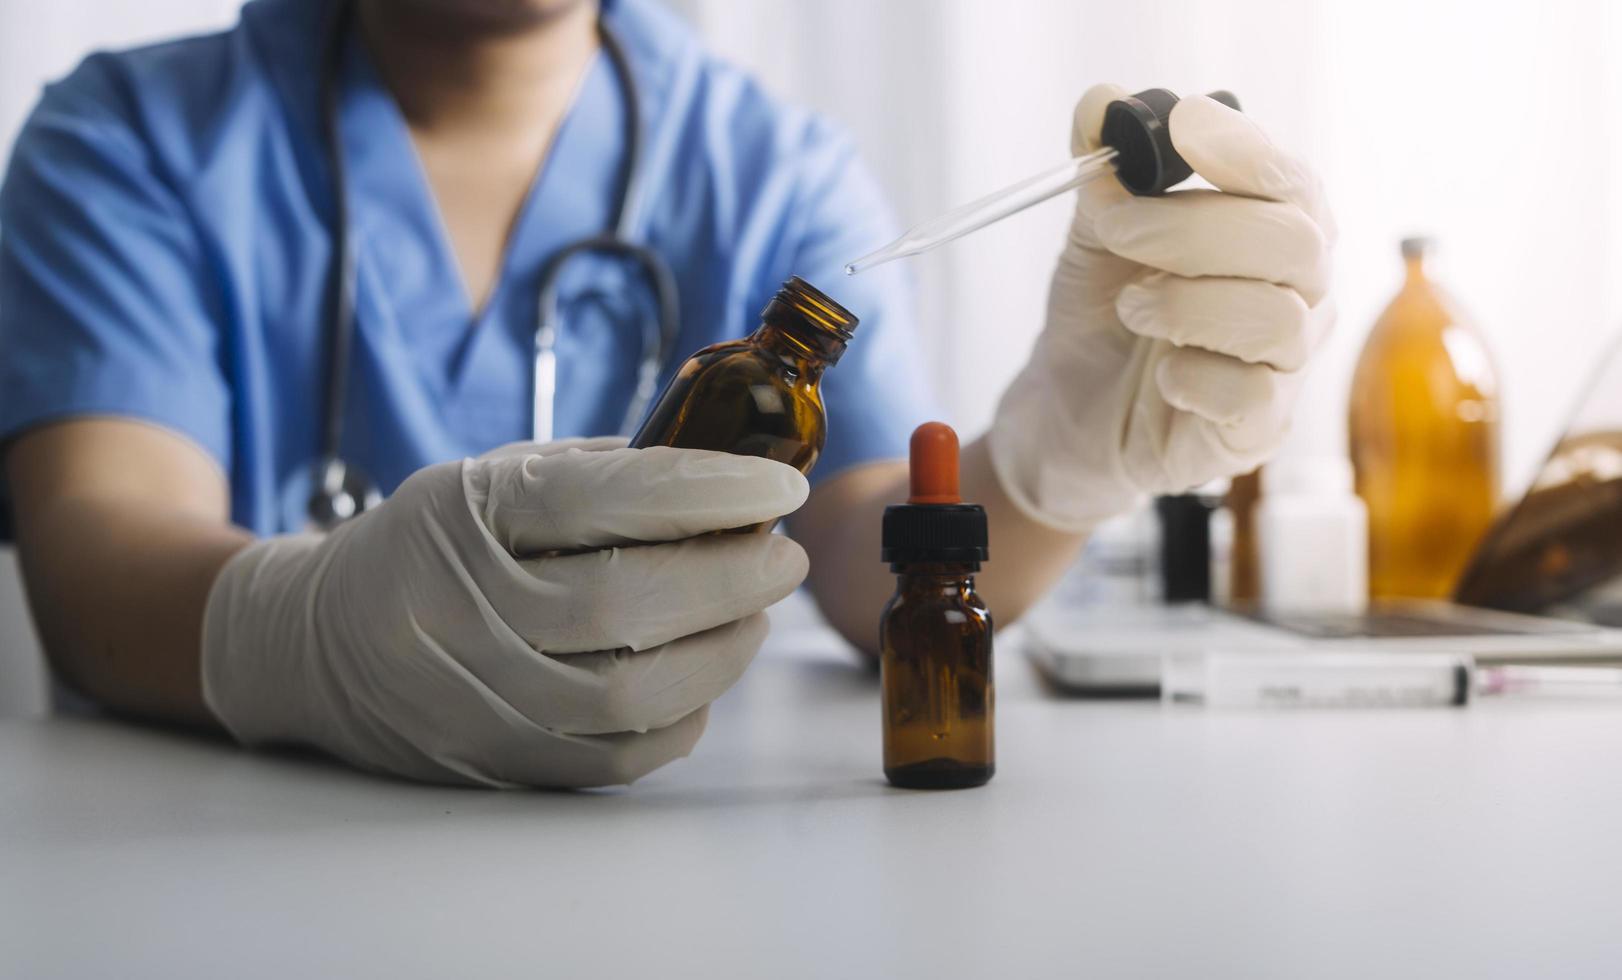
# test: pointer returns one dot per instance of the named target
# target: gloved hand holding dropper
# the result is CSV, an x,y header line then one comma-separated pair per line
x,y
1177,325
1176,330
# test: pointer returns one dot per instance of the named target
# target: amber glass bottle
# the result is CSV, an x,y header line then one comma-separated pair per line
x,y
1424,438
1244,575
758,396
935,633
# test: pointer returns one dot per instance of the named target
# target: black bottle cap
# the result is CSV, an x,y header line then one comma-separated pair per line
x,y
934,525
916,533
1139,130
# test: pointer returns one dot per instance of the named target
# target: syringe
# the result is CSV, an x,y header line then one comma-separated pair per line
x,y
1368,677
1137,149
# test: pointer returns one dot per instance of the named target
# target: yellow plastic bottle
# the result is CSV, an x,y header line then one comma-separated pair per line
x,y
1424,438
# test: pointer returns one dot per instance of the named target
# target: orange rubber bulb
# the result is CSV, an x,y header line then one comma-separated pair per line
x,y
932,460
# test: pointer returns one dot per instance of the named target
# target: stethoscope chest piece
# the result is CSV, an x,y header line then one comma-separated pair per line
x,y
341,492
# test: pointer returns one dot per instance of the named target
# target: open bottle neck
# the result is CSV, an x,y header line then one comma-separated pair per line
x,y
803,324
1414,272
1415,251
812,353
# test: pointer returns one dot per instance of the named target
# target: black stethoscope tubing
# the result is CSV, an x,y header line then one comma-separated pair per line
x,y
341,491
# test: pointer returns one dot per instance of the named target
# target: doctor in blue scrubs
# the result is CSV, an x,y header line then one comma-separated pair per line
x,y
252,280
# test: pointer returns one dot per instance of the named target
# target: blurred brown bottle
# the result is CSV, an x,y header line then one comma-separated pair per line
x,y
1424,438
1244,578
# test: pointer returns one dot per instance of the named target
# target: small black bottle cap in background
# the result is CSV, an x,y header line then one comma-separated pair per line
x,y
1185,547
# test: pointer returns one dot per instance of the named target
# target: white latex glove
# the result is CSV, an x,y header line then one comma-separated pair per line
x,y
1177,326
441,637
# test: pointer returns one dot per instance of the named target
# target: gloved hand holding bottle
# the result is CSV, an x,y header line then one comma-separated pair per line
x,y
549,615
1177,326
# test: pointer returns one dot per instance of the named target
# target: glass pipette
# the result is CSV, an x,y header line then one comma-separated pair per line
x,y
992,208
1137,149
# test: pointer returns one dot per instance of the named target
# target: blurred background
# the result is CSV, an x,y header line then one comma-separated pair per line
x,y
1496,128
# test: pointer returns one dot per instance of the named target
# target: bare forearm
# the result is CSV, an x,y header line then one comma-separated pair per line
x,y
1027,557
840,527
121,529
119,600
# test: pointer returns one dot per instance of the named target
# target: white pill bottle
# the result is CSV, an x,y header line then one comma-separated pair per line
x,y
1312,534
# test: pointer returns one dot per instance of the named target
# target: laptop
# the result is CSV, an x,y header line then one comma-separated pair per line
x,y
1544,585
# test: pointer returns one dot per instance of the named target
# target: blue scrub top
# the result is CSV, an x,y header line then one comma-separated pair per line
x,y
165,249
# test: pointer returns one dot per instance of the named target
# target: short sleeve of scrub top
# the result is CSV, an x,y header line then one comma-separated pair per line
x,y
165,251
103,305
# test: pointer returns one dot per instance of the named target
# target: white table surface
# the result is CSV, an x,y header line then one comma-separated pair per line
x,y
1118,838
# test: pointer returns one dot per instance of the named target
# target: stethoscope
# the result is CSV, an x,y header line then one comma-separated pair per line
x,y
342,490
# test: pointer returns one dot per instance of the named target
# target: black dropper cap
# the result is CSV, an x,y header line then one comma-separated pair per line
x,y
916,533
934,525
1138,128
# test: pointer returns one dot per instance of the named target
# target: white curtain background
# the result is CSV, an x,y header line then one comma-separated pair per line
x,y
1495,127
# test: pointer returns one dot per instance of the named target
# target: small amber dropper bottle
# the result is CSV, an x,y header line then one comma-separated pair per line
x,y
935,634
758,396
